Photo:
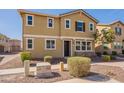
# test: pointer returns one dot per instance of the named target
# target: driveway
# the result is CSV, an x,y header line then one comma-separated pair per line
x,y
7,57
117,64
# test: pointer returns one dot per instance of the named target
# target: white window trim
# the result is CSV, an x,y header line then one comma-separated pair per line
x,y
48,22
32,44
50,48
91,46
93,27
69,23
27,20
80,46
82,29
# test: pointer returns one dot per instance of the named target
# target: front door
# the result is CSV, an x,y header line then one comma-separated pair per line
x,y
67,48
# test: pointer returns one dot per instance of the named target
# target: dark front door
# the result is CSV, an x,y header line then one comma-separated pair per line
x,y
66,48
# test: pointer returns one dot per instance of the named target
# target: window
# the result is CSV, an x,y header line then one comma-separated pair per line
x,y
67,23
29,44
50,45
89,45
118,30
117,45
83,45
78,45
80,26
29,20
91,27
50,22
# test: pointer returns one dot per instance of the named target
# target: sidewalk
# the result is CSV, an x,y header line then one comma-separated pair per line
x,y
21,70
78,80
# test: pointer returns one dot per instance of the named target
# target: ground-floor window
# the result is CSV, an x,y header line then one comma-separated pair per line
x,y
83,45
50,44
29,43
117,45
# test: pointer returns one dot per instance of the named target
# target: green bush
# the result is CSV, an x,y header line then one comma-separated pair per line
x,y
48,59
78,66
113,57
122,51
114,53
25,56
106,58
105,53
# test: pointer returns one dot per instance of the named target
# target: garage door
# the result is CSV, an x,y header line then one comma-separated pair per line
x,y
1,49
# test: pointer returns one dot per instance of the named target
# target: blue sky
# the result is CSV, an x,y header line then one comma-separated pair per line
x,y
10,20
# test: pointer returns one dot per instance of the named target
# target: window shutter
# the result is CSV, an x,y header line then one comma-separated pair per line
x,y
120,31
76,26
115,30
83,26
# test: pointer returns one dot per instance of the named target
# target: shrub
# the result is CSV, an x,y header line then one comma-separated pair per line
x,y
122,51
78,66
106,58
48,59
114,53
98,54
25,56
113,57
105,53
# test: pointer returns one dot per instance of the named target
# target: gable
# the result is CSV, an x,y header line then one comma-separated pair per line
x,y
117,22
81,12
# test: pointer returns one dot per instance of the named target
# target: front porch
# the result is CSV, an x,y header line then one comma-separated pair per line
x,y
78,47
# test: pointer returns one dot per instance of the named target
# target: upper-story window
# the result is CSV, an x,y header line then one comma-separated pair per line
x,y
67,23
80,26
91,26
118,31
50,22
29,20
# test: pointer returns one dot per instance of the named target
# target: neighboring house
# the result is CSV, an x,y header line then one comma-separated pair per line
x,y
118,44
9,45
64,35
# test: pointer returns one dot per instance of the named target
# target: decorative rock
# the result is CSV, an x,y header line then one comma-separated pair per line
x,y
61,68
26,67
43,70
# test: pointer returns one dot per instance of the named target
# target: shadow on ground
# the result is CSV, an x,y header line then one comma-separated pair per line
x,y
97,77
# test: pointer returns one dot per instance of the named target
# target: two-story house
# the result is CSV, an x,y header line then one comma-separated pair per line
x,y
9,45
118,44
63,35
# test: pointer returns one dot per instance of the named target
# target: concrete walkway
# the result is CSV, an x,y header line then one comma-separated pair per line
x,y
117,64
79,80
21,70
8,58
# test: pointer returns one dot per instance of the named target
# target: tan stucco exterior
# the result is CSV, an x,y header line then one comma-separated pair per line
x,y
39,32
118,38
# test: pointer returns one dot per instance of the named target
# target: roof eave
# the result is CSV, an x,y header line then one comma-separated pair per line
x,y
79,10
21,11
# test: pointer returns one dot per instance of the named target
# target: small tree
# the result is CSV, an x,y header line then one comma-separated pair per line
x,y
106,35
97,36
